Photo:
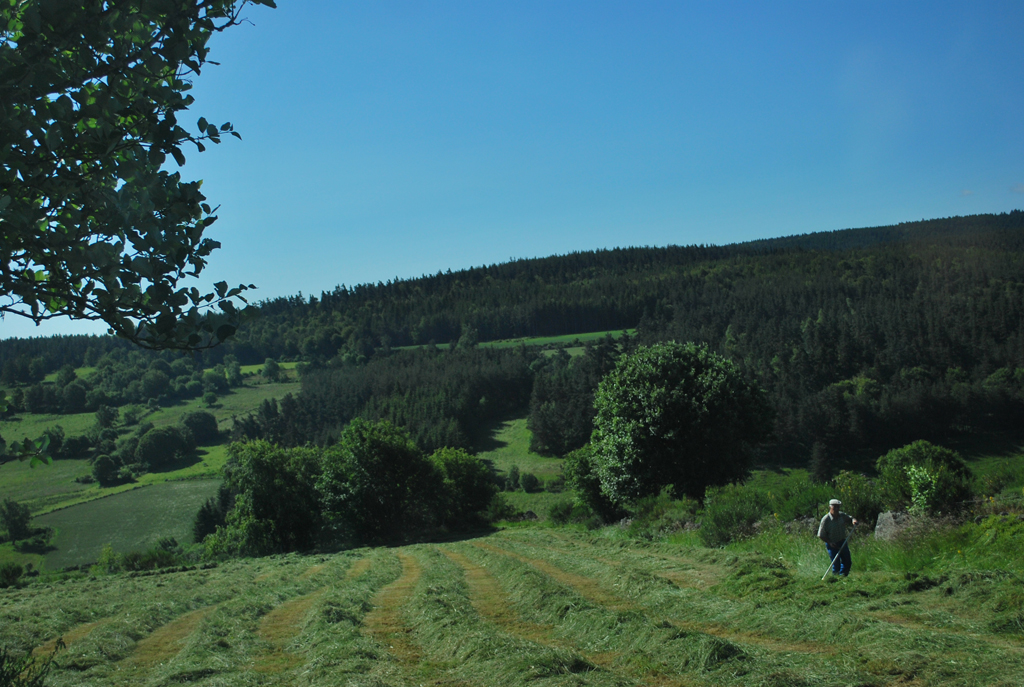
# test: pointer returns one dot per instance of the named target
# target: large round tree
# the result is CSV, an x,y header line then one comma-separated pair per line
x,y
675,414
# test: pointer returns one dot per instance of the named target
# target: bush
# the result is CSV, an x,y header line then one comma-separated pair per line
x,y
581,477
529,482
512,480
10,573
730,513
500,509
555,485
468,487
163,445
861,496
203,426
657,516
104,469
16,518
930,478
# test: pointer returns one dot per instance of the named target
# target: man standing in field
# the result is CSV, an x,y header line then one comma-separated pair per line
x,y
832,531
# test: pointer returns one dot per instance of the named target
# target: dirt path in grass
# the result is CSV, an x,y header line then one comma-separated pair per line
x,y
165,641
384,623
279,627
591,590
70,637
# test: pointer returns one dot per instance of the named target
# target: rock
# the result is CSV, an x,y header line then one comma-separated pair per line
x,y
891,524
530,515
802,526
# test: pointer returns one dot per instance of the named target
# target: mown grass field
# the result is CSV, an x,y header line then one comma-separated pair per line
x,y
129,521
529,606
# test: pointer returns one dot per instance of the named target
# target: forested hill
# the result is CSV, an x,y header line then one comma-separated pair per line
x,y
616,289
862,338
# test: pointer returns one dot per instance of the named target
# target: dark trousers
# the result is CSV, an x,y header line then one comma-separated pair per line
x,y
840,565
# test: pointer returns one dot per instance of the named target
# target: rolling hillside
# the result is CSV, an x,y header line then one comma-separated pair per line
x,y
534,606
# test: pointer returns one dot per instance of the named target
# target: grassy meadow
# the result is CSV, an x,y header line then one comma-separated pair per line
x,y
536,605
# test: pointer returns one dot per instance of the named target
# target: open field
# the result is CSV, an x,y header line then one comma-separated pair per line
x,y
46,488
528,606
558,341
129,521
509,445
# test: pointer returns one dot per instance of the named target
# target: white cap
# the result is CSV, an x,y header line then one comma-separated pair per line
x,y
835,502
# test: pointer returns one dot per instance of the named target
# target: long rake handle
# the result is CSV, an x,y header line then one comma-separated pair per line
x,y
836,556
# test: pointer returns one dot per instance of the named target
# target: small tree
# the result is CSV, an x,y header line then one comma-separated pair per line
x,y
675,414
376,484
16,518
468,487
271,370
203,426
163,445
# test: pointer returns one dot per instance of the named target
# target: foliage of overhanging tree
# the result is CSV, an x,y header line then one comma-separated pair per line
x,y
675,414
93,226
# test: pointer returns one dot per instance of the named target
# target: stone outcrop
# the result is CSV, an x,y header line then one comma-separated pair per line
x,y
890,524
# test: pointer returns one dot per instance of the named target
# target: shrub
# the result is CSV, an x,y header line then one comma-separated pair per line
x,y
581,477
943,481
730,513
555,485
512,480
468,487
560,512
656,516
16,518
106,416
104,469
500,509
203,426
163,445
529,482
861,496
10,573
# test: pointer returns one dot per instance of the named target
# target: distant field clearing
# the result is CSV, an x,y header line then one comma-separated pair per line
x,y
130,521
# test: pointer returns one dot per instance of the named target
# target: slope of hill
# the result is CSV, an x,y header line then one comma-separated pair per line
x,y
549,607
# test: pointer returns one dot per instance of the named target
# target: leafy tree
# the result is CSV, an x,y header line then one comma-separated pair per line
x,y
276,504
376,484
16,518
512,479
529,482
104,469
271,370
675,414
163,445
468,486
203,426
94,228
106,416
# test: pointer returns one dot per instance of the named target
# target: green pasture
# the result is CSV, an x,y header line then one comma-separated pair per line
x,y
540,606
556,341
509,444
132,520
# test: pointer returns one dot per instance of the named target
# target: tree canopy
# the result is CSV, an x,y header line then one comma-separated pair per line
x,y
675,414
93,225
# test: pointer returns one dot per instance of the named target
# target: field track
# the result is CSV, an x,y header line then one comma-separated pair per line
x,y
532,606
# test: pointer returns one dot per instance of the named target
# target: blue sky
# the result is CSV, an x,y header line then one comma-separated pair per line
x,y
394,139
